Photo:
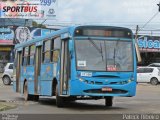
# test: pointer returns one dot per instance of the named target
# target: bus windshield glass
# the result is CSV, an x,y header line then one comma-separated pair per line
x,y
104,55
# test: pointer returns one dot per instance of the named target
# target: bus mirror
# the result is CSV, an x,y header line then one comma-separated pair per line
x,y
139,59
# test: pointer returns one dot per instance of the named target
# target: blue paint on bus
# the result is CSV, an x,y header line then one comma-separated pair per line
x,y
84,77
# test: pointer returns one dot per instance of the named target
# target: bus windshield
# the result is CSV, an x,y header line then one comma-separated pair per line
x,y
104,55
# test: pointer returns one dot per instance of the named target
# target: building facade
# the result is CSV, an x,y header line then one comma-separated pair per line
x,y
7,36
15,31
149,47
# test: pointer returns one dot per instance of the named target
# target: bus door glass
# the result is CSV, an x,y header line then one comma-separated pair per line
x,y
18,70
65,67
37,68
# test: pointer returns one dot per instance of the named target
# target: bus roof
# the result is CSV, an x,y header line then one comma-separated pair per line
x,y
70,29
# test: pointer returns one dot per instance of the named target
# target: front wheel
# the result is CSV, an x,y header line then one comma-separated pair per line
x,y
59,99
154,81
108,101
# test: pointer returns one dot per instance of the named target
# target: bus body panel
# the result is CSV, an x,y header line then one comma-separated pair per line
x,y
46,77
46,88
27,73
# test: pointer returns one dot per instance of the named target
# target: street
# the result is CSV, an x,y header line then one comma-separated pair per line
x,y
146,101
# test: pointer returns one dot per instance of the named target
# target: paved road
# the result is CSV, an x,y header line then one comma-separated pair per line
x,y
147,100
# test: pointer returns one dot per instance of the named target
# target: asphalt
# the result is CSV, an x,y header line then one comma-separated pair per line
x,y
4,105
145,101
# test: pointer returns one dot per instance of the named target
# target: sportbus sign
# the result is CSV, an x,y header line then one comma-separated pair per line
x,y
28,9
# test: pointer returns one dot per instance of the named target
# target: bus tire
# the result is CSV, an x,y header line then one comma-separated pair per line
x,y
59,99
109,101
36,97
26,95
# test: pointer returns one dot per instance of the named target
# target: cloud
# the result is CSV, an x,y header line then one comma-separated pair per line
x,y
108,11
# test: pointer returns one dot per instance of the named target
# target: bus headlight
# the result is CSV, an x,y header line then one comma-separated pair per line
x,y
129,81
124,82
81,79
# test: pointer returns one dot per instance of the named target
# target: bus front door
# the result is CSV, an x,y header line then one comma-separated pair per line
x,y
65,68
37,70
18,70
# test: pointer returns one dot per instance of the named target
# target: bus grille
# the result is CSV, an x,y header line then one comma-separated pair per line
x,y
114,91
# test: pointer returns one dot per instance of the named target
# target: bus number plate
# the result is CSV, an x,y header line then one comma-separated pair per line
x,y
105,89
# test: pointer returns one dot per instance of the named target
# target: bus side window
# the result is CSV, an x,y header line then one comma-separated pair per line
x,y
31,54
25,56
46,51
57,47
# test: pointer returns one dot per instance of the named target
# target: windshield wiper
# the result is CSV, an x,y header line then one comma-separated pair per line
x,y
105,55
115,49
97,48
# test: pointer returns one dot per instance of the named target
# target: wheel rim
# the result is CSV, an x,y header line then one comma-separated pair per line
x,y
154,81
6,80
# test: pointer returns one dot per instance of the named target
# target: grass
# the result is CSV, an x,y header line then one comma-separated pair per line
x,y
6,106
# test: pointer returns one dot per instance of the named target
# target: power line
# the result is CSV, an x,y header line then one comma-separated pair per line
x,y
149,20
43,22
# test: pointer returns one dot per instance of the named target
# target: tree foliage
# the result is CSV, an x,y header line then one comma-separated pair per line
x,y
35,24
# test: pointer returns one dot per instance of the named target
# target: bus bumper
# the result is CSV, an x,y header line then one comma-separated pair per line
x,y
83,89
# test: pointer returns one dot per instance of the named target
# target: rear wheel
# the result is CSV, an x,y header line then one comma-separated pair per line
x,y
108,101
59,99
26,95
154,81
6,80
35,97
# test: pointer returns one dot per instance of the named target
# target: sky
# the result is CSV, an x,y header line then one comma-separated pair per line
x,y
127,13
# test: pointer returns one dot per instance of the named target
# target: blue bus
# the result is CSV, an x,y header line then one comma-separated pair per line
x,y
78,62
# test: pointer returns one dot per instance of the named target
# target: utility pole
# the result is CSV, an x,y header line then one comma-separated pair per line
x,y
158,7
136,45
137,29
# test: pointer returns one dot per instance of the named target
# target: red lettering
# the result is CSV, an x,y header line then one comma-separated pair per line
x,y
30,9
26,9
35,9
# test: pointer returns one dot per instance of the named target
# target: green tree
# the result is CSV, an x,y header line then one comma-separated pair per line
x,y
35,24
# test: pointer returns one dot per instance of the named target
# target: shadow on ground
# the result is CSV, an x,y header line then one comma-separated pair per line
x,y
76,105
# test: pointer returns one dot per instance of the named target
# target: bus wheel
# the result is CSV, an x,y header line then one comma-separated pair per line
x,y
108,101
59,99
36,97
26,95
